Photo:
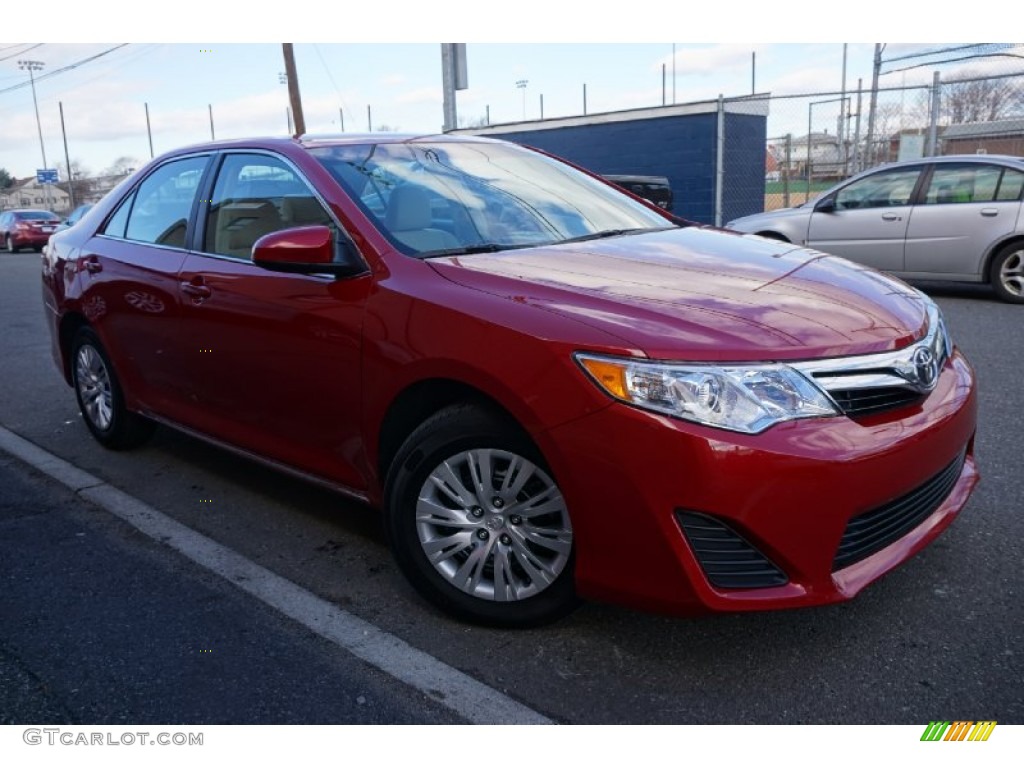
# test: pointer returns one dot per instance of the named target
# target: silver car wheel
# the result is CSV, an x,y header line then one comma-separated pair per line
x,y
93,382
494,525
1011,273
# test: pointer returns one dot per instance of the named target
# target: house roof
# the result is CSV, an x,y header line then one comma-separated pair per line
x,y
1010,126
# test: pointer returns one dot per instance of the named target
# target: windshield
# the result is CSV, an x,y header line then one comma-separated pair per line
x,y
456,197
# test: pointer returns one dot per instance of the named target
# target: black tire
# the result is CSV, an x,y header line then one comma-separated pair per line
x,y
527,558
1007,273
101,398
10,245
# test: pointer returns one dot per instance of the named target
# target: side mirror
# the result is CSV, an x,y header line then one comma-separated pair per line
x,y
828,205
306,250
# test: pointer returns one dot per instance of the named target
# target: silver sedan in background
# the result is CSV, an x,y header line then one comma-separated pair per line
x,y
938,218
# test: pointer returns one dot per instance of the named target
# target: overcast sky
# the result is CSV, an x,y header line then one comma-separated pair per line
x,y
396,72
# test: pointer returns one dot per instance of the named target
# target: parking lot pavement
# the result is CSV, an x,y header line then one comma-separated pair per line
x,y
100,625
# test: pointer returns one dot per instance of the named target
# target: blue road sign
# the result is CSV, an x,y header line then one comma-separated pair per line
x,y
46,175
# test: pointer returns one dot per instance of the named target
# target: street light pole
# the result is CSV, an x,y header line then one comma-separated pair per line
x,y
282,78
521,85
36,66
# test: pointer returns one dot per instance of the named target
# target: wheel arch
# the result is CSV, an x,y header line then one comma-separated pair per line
x,y
1014,239
418,402
69,326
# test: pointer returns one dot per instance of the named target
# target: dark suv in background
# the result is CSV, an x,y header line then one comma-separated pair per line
x,y
653,188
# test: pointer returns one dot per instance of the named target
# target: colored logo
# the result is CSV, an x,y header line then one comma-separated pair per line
x,y
960,730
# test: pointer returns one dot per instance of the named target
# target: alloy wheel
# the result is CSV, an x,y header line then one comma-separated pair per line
x,y
494,525
93,382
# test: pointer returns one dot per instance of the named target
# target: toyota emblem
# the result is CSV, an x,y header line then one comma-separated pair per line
x,y
926,367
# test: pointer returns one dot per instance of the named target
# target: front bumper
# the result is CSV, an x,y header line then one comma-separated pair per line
x,y
789,492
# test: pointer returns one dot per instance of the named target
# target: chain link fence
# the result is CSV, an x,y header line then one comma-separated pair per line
x,y
814,140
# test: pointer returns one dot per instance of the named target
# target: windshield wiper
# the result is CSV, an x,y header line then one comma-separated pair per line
x,y
464,250
612,233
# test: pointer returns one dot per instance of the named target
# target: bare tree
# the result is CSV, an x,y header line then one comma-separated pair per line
x,y
80,181
979,101
122,166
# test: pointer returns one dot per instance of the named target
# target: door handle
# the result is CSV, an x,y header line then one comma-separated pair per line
x,y
197,291
92,265
891,217
989,211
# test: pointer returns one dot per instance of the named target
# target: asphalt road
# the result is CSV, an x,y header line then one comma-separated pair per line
x,y
940,638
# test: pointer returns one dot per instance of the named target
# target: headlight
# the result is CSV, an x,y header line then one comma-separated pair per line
x,y
743,398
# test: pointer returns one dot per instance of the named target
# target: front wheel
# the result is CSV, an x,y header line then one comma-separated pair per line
x,y
10,245
100,397
1007,275
478,524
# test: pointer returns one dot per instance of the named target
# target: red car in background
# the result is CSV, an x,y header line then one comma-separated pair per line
x,y
26,229
552,389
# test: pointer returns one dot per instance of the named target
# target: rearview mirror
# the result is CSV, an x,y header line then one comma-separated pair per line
x,y
828,205
306,250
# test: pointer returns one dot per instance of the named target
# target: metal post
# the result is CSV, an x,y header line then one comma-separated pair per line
x,y
933,125
341,116
785,173
856,134
149,130
521,85
719,161
288,120
448,87
584,98
32,67
369,119
876,69
807,165
487,112
663,83
67,158
753,72
542,106
842,125
213,136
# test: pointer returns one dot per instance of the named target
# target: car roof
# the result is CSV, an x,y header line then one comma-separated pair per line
x,y
320,140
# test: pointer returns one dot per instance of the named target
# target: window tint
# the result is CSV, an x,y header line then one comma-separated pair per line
x,y
254,196
163,203
963,184
880,190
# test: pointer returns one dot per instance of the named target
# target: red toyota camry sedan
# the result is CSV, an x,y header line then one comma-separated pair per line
x,y
550,388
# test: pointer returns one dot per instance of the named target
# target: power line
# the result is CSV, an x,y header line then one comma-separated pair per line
x,y
20,53
67,68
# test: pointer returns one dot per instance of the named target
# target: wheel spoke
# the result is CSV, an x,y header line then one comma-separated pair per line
x,y
429,511
443,548
479,463
450,484
471,572
547,538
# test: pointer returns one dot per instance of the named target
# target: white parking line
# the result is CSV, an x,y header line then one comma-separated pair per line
x,y
446,685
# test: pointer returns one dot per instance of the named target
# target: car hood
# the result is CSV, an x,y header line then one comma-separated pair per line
x,y
749,223
703,294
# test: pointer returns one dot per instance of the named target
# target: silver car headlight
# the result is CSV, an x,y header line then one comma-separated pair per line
x,y
742,398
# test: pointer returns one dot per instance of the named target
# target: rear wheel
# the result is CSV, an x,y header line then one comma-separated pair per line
x,y
1007,273
100,396
478,524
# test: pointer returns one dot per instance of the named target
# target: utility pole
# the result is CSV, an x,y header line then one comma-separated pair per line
x,y
282,78
149,130
293,88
